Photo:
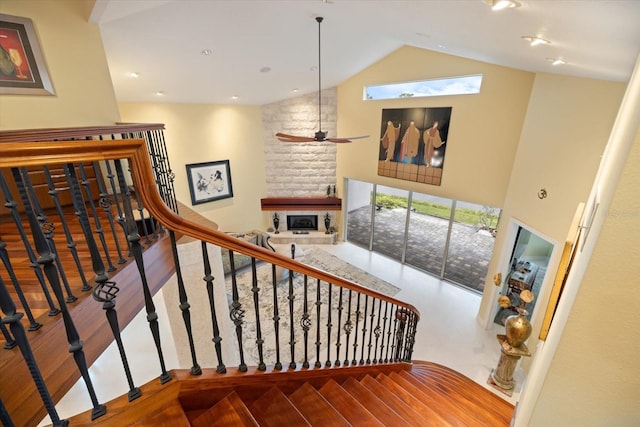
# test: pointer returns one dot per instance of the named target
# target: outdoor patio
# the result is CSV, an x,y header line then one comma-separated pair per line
x,y
469,249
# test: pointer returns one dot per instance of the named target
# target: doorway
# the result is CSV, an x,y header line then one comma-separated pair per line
x,y
530,257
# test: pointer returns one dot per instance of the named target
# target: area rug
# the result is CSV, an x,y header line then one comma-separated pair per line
x,y
325,261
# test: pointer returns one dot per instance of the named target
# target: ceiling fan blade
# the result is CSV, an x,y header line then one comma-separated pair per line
x,y
356,137
293,138
338,140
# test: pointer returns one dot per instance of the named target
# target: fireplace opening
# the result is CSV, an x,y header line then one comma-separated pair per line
x,y
302,222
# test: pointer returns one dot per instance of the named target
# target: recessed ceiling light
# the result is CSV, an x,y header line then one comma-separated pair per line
x,y
556,61
295,90
503,4
265,69
536,41
160,93
235,97
206,52
134,75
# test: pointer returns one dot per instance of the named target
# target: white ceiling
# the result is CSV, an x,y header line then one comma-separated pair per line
x,y
163,39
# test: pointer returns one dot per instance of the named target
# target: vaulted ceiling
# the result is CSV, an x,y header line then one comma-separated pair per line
x,y
263,50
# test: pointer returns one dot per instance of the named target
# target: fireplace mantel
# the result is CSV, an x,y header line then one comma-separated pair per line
x,y
301,204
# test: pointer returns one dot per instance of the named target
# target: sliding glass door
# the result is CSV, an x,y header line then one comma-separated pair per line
x,y
450,239
390,221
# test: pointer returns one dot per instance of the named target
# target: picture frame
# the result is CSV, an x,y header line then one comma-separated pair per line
x,y
413,143
22,67
209,181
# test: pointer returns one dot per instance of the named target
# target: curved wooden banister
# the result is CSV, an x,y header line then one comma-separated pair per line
x,y
49,134
22,154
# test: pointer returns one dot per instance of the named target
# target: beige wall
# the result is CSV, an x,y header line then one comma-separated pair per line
x,y
202,133
483,136
563,137
594,379
77,66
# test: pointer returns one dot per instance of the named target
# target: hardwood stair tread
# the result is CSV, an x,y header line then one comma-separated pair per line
x,y
347,405
230,411
462,402
425,410
394,402
431,396
373,403
275,409
460,383
315,408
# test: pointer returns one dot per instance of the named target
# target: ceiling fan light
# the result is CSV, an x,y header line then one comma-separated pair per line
x,y
504,4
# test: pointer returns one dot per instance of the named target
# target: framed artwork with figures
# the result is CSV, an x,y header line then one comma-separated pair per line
x,y
209,181
22,67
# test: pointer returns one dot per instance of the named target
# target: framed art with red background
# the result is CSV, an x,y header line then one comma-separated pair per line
x,y
22,67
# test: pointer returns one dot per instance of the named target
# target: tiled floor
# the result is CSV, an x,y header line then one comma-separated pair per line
x,y
447,333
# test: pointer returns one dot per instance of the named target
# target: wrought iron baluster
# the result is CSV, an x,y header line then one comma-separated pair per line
x,y
292,337
355,337
384,328
71,244
105,203
12,318
348,327
12,206
157,164
46,259
364,328
96,219
276,317
394,343
171,194
47,228
372,316
329,326
256,305
337,362
411,335
377,332
401,315
318,341
134,239
4,255
120,219
305,322
9,341
217,339
237,312
5,419
106,294
184,305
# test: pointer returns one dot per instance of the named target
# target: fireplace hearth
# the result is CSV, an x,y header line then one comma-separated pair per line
x,y
302,222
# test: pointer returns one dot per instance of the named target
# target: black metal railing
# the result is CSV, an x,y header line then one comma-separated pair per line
x,y
253,318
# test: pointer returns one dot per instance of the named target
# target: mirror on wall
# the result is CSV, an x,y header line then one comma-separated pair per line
x,y
527,268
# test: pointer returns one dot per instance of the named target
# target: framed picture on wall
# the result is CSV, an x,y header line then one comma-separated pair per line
x,y
413,143
209,181
22,67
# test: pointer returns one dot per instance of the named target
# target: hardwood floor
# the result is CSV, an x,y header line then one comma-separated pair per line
x,y
49,343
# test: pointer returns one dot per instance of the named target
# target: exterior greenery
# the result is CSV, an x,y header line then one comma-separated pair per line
x,y
486,218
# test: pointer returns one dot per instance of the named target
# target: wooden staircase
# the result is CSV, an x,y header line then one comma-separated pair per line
x,y
401,394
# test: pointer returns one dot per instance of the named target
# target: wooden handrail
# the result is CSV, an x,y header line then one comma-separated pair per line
x,y
22,154
50,134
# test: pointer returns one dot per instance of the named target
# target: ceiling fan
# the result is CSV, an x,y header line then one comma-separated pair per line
x,y
319,136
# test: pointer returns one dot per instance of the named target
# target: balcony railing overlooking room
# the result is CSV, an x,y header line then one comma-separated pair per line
x,y
108,194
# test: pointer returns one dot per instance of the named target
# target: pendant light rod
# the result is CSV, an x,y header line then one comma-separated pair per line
x,y
319,20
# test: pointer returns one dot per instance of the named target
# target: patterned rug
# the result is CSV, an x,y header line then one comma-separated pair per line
x,y
320,259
